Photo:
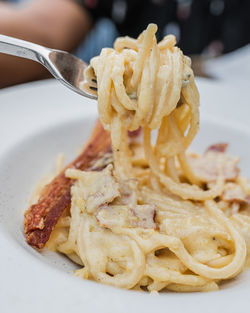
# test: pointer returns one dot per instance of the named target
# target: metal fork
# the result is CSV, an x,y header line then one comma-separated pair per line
x,y
65,67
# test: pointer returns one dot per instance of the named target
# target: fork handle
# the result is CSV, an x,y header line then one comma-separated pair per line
x,y
22,48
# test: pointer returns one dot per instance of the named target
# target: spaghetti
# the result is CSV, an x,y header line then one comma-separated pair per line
x,y
156,217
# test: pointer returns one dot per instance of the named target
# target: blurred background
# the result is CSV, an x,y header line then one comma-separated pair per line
x,y
214,33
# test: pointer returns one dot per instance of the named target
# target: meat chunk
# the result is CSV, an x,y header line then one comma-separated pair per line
x,y
145,216
142,216
218,147
128,192
98,188
135,133
208,165
234,193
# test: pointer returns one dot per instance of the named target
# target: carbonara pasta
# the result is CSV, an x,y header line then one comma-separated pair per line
x,y
156,217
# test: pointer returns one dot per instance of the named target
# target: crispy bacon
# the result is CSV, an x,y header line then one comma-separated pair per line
x,y
41,217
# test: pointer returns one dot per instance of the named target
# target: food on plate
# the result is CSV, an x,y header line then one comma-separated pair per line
x,y
139,213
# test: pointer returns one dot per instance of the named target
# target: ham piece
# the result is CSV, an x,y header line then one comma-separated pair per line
x,y
208,165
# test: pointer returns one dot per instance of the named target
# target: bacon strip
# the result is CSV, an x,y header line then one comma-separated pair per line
x,y
40,218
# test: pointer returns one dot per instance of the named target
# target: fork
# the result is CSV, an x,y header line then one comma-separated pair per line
x,y
65,67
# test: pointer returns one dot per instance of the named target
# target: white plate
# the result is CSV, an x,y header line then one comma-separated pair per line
x,y
39,120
